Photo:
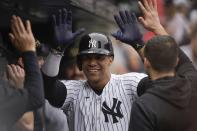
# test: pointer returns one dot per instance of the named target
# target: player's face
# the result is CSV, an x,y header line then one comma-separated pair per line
x,y
96,67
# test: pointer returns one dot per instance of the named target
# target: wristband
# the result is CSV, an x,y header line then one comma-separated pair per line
x,y
137,45
57,52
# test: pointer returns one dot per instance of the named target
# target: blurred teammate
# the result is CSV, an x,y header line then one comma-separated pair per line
x,y
15,102
46,118
68,66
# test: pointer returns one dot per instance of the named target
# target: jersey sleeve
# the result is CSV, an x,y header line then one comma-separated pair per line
x,y
130,82
73,89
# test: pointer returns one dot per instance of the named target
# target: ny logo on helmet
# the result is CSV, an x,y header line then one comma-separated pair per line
x,y
92,43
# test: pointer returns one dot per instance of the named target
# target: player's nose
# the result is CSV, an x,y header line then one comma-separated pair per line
x,y
92,60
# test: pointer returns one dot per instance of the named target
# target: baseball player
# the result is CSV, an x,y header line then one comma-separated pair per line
x,y
102,102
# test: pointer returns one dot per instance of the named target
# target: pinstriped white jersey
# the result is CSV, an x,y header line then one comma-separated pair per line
x,y
110,111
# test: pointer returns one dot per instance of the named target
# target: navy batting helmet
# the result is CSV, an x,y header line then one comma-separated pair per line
x,y
94,43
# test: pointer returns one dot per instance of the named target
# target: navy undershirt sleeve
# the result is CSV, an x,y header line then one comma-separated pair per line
x,y
55,91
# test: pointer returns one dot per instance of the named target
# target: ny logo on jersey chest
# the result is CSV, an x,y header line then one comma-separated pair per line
x,y
114,111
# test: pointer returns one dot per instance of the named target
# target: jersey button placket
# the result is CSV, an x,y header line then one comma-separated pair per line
x,y
98,100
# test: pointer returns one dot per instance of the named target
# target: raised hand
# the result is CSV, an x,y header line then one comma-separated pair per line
x,y
62,26
16,76
22,36
150,19
129,31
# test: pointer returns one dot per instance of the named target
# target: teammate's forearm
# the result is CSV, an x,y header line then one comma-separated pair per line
x,y
160,30
33,81
51,65
54,90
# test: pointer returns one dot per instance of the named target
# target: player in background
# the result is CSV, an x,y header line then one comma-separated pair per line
x,y
68,69
46,118
104,100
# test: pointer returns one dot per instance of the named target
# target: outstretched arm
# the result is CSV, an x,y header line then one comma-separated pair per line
x,y
32,96
150,21
150,18
23,39
63,36
55,91
129,31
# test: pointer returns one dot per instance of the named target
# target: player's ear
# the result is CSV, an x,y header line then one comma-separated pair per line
x,y
146,63
111,59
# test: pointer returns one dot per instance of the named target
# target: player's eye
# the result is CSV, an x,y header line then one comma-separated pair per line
x,y
100,57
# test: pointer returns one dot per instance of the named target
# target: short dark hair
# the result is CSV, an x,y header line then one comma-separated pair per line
x,y
162,52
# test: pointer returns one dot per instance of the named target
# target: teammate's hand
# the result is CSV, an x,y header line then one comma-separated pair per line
x,y
16,76
22,36
129,31
150,19
62,26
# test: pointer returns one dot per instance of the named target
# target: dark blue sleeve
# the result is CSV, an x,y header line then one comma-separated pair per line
x,y
55,91
33,81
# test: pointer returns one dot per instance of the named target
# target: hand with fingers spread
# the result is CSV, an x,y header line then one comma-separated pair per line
x,y
129,31
150,19
62,26
22,36
16,76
